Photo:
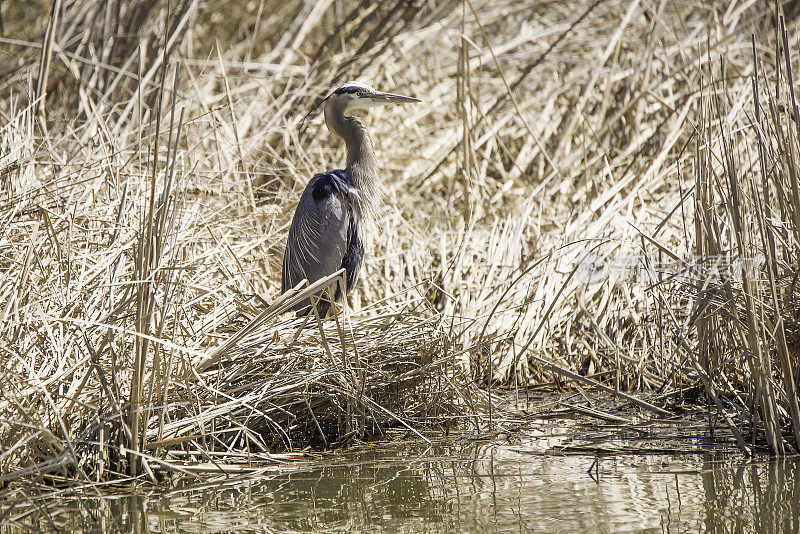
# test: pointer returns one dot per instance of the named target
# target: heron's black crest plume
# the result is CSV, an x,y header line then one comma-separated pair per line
x,y
302,124
347,89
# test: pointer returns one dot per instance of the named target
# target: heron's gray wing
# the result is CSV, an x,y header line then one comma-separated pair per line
x,y
318,236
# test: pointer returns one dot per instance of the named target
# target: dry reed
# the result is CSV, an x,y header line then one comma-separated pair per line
x,y
547,208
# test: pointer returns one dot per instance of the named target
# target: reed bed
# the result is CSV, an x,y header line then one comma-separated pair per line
x,y
551,212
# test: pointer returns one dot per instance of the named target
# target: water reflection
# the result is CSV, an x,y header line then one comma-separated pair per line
x,y
753,498
476,488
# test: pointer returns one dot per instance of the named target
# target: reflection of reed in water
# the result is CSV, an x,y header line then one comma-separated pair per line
x,y
762,497
417,488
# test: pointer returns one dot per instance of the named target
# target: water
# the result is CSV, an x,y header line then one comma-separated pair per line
x,y
457,487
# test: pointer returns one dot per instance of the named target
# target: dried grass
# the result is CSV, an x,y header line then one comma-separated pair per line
x,y
552,147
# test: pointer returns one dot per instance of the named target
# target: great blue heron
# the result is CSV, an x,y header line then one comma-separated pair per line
x,y
329,222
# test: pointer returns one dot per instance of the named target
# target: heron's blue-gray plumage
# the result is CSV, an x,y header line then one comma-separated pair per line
x,y
324,236
334,210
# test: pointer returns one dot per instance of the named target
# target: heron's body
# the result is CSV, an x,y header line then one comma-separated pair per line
x,y
327,233
331,217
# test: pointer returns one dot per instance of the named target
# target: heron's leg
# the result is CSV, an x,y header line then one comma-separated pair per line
x,y
324,303
300,329
321,302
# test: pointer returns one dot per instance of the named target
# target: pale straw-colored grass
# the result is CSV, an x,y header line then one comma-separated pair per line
x,y
533,217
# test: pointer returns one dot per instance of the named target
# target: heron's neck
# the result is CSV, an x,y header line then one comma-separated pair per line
x,y
362,168
361,165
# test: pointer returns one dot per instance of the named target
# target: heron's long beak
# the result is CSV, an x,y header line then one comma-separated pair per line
x,y
392,98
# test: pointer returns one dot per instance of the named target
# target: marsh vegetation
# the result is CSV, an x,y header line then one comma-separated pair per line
x,y
600,195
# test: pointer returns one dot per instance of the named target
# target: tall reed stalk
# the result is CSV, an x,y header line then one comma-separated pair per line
x,y
747,203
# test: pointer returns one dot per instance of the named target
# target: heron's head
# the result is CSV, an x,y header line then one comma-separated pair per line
x,y
354,96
